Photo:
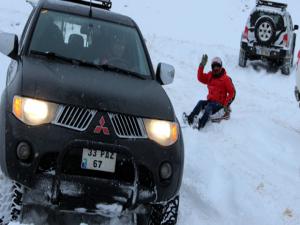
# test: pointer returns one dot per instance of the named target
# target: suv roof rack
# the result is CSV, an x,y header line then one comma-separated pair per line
x,y
272,4
103,4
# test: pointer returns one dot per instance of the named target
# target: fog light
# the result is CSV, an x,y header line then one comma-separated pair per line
x,y
166,170
23,151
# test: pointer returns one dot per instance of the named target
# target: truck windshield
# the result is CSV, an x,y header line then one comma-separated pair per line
x,y
90,40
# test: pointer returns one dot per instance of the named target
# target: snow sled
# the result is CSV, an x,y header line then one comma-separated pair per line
x,y
215,118
220,115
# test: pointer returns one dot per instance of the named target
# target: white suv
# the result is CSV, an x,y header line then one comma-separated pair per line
x,y
269,35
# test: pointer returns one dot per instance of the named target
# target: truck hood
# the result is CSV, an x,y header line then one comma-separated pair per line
x,y
94,89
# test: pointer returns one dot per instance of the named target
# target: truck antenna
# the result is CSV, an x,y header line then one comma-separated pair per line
x,y
90,15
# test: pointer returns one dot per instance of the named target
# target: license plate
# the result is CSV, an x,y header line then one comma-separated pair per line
x,y
98,160
264,51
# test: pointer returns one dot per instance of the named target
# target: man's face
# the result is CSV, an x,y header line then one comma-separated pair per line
x,y
216,68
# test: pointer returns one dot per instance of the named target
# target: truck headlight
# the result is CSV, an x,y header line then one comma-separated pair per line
x,y
163,132
33,111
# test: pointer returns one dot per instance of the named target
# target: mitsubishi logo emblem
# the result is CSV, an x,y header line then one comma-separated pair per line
x,y
101,127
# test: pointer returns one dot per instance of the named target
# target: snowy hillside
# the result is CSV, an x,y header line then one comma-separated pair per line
x,y
242,171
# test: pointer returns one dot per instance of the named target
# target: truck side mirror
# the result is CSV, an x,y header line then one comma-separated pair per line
x,y
9,45
296,27
165,73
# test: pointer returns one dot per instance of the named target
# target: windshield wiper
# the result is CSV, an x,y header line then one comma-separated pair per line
x,y
88,64
66,59
51,55
113,68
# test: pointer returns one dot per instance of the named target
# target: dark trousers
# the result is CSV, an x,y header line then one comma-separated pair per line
x,y
209,108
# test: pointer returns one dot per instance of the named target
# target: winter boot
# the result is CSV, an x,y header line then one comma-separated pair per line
x,y
187,119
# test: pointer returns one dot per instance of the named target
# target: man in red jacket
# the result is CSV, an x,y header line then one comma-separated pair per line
x,y
221,91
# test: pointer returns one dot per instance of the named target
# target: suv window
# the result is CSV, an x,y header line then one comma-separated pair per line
x,y
278,19
90,40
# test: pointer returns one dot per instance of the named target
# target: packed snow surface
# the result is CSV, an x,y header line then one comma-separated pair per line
x,y
242,171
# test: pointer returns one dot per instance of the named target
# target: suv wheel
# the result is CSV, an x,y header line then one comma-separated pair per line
x,y
265,31
11,196
242,58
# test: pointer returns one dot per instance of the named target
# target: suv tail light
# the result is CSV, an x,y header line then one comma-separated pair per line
x,y
298,58
245,34
286,40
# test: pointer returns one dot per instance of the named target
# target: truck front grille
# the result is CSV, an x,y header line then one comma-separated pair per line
x,y
128,126
74,117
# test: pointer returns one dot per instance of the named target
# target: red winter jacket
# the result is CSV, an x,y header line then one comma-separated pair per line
x,y
220,89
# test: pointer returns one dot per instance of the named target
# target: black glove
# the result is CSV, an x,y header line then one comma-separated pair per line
x,y
204,60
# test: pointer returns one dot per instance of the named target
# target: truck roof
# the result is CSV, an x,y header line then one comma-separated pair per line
x,y
78,8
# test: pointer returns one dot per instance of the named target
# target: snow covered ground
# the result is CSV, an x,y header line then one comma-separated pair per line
x,y
242,171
